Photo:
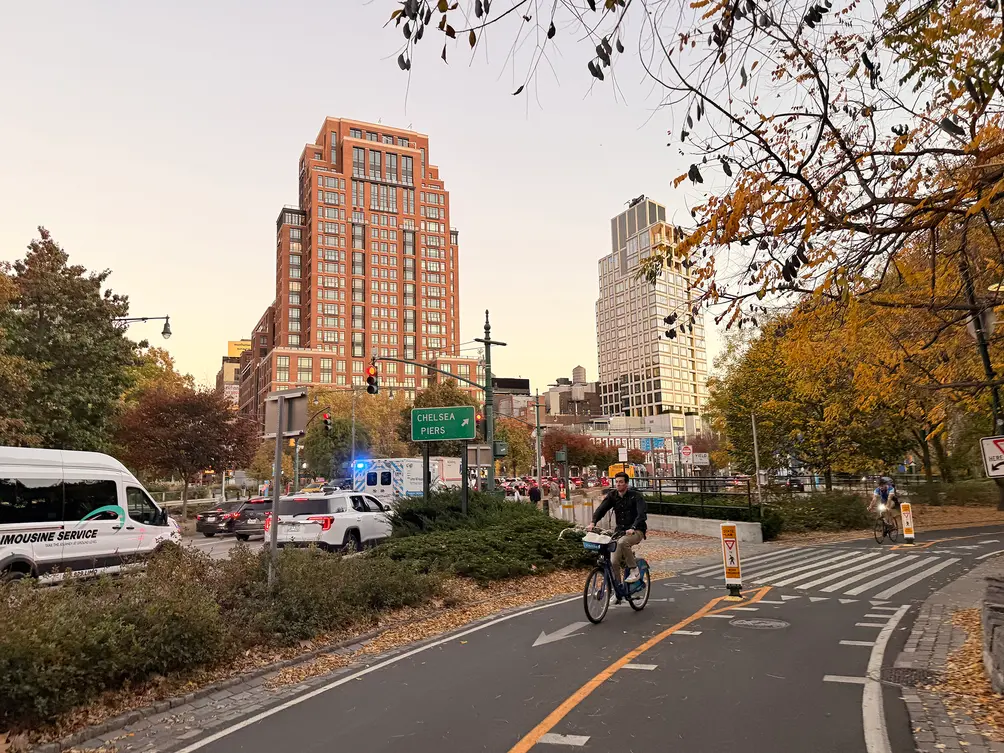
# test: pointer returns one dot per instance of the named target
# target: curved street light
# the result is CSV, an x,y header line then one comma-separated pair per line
x,y
165,333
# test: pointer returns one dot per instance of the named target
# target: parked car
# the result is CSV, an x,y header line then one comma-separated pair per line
x,y
221,519
345,521
604,482
794,485
251,518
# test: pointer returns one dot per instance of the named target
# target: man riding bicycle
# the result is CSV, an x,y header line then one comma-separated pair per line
x,y
886,498
629,509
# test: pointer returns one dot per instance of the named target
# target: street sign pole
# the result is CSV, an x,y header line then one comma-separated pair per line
x,y
296,465
756,462
273,543
425,471
731,562
464,483
489,400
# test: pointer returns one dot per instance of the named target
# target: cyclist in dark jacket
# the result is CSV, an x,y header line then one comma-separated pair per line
x,y
630,513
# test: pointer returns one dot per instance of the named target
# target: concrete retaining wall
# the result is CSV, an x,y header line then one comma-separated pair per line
x,y
993,633
749,533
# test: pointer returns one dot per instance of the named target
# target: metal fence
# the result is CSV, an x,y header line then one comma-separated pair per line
x,y
704,497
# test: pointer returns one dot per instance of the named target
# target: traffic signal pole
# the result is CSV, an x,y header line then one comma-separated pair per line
x,y
489,400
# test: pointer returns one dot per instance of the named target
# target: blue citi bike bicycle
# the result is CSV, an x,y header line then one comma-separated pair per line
x,y
601,585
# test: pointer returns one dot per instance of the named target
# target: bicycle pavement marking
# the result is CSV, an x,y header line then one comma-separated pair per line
x,y
552,719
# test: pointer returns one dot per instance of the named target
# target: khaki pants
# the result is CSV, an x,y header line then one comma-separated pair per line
x,y
624,556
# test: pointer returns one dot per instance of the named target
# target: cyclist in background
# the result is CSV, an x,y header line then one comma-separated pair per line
x,y
885,494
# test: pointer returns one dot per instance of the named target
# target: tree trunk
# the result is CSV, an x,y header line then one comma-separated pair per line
x,y
184,501
828,478
944,462
925,454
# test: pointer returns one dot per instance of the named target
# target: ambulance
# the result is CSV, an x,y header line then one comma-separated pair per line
x,y
391,479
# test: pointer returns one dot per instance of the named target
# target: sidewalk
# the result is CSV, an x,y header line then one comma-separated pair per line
x,y
922,664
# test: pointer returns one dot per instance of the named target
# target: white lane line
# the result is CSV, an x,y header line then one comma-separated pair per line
x,y
814,599
990,541
868,559
361,673
867,585
647,667
773,577
719,616
742,609
984,556
784,554
892,564
877,616
769,601
916,578
687,632
846,679
872,711
770,568
869,624
884,609
857,643
857,568
848,601
552,739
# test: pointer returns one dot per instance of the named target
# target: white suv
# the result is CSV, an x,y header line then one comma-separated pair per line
x,y
345,521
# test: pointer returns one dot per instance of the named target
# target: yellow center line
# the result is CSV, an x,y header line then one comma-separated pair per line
x,y
552,719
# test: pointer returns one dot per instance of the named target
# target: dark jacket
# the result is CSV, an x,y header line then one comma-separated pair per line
x,y
629,510
535,494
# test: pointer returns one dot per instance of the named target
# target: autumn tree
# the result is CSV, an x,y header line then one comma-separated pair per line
x,y
328,453
58,320
522,454
262,465
154,368
377,416
16,376
185,431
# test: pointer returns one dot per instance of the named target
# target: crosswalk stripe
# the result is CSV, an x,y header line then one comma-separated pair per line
x,y
815,571
869,563
716,569
885,578
895,562
779,565
802,567
916,578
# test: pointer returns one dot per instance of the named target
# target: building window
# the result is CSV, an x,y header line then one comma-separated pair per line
x,y
388,140
294,342
358,346
390,168
358,162
375,167
355,133
408,170
372,136
402,141
282,368
304,369
358,241
295,234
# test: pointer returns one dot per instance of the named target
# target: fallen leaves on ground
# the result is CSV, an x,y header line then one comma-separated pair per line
x,y
965,686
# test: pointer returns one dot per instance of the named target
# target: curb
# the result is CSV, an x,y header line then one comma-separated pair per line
x,y
131,717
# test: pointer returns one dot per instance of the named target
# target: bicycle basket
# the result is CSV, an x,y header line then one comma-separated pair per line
x,y
596,541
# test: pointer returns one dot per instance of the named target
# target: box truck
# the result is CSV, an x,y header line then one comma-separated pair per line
x,y
390,479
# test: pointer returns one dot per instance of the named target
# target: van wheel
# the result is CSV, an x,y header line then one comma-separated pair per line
x,y
9,576
352,544
209,534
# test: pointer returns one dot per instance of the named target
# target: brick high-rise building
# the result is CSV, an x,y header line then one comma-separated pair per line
x,y
366,266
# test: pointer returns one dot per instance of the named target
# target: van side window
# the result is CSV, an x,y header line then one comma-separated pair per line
x,y
30,500
385,479
141,509
371,478
84,496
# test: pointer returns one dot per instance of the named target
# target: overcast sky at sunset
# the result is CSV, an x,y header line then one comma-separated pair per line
x,y
161,140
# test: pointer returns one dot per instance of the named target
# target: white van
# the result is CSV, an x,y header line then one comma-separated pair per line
x,y
82,511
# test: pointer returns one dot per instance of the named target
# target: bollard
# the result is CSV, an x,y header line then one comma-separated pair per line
x,y
908,533
731,562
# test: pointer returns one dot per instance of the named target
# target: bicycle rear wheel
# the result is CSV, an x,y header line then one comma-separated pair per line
x,y
894,530
639,598
596,596
879,530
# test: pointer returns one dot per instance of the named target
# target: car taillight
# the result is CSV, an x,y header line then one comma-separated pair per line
x,y
324,520
268,520
198,517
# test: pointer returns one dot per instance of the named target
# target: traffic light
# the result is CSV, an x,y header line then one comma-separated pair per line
x,y
327,422
372,385
479,423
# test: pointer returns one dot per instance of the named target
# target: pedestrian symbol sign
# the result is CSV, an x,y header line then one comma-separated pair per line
x,y
730,555
993,456
907,510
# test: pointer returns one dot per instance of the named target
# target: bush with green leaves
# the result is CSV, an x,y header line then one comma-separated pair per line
x,y
62,647
442,511
820,511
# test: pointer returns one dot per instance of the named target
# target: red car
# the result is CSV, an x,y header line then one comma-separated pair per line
x,y
604,482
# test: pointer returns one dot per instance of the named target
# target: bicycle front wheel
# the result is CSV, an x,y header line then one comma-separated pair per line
x,y
894,530
596,596
879,530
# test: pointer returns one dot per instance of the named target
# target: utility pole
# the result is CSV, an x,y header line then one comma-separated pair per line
x,y
756,462
540,457
352,465
296,465
489,397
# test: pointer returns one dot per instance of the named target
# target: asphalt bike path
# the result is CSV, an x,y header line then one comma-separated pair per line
x,y
795,667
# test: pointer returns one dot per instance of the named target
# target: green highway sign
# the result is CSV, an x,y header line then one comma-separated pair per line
x,y
442,424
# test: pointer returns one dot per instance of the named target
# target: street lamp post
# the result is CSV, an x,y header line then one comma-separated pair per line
x,y
165,333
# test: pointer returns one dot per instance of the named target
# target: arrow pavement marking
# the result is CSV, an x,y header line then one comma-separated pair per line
x,y
847,601
818,598
557,635
575,740
789,598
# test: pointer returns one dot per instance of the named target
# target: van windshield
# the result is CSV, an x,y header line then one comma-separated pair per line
x,y
303,506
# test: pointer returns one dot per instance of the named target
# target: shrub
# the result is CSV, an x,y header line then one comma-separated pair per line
x,y
821,511
61,647
491,553
442,511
